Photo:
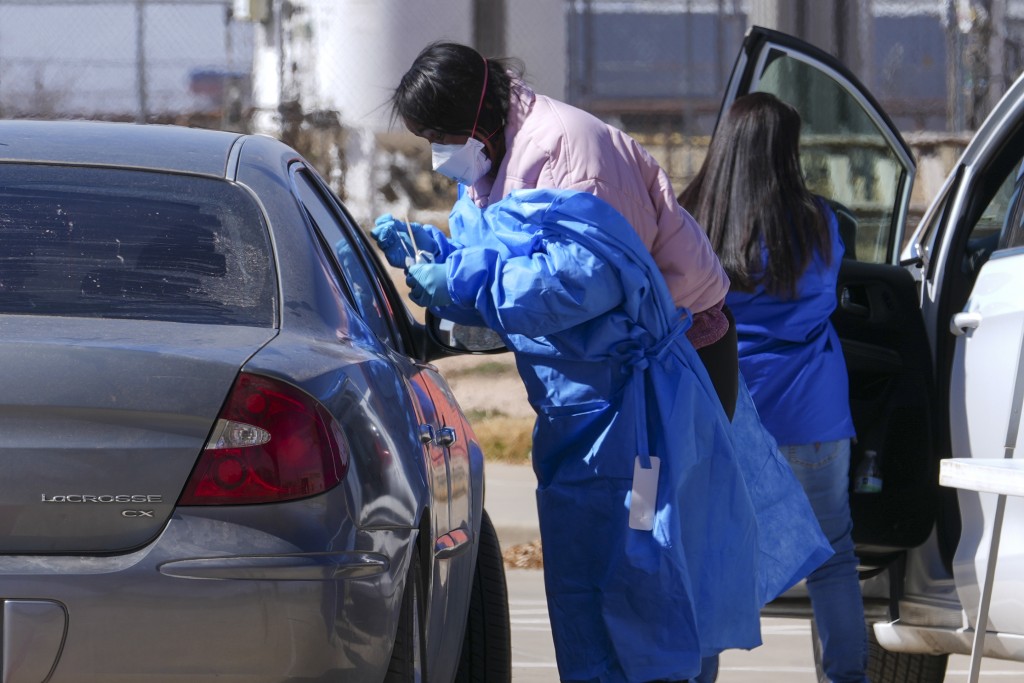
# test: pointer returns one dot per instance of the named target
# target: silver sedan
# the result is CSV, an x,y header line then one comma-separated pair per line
x,y
225,453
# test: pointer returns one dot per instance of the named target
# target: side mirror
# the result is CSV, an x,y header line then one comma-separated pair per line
x,y
456,338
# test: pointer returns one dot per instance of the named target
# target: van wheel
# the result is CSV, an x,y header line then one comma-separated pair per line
x,y
408,658
889,667
487,644
903,667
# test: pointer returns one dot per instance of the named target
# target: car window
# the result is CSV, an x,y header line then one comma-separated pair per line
x,y
996,214
989,211
1013,232
365,295
984,214
846,155
112,243
922,243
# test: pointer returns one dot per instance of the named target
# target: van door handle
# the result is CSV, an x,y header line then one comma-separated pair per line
x,y
847,303
963,322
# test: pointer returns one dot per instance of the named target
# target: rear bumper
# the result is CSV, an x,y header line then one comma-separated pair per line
x,y
192,606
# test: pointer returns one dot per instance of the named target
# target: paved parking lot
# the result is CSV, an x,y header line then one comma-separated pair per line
x,y
785,656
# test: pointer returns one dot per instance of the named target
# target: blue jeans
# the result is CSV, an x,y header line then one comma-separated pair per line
x,y
834,587
708,671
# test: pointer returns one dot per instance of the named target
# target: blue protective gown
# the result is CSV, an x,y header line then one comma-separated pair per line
x,y
790,354
567,283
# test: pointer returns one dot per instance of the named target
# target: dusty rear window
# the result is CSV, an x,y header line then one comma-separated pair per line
x,y
92,242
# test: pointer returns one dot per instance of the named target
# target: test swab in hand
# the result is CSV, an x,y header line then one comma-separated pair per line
x,y
418,255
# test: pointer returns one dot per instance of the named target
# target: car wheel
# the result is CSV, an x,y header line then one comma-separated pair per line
x,y
889,667
408,658
487,643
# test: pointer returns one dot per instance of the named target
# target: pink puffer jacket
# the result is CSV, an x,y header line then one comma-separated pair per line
x,y
550,144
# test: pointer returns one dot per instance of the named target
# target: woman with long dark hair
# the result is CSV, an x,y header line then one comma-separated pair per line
x,y
781,247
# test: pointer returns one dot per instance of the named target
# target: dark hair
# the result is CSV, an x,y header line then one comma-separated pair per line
x,y
750,194
441,90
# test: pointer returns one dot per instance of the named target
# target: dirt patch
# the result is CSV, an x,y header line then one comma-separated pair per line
x,y
524,556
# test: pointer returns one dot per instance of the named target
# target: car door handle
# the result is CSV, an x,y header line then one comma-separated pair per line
x,y
963,322
426,434
446,436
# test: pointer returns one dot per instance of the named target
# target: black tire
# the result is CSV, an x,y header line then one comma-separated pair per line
x,y
903,667
890,667
408,658
487,644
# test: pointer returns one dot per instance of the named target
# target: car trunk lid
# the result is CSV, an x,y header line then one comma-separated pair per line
x,y
101,423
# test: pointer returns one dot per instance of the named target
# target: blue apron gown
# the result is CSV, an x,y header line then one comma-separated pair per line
x,y
566,282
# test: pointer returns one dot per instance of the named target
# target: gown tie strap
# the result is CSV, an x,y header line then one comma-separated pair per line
x,y
636,359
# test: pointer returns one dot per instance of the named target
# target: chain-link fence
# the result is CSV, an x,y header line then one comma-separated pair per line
x,y
936,65
657,68
136,60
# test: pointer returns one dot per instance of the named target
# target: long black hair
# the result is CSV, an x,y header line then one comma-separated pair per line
x,y
750,194
441,90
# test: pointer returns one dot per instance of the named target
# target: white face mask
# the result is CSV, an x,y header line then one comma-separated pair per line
x,y
465,163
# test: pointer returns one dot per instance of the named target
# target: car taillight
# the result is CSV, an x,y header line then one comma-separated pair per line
x,y
271,443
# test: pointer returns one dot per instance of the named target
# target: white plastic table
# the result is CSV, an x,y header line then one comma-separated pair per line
x,y
1004,477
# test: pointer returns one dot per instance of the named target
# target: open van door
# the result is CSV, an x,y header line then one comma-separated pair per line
x,y
970,247
852,155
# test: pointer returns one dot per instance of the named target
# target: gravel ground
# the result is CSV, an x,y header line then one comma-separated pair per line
x,y
488,384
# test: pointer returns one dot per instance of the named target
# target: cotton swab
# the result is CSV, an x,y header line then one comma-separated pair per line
x,y
419,256
412,237
411,258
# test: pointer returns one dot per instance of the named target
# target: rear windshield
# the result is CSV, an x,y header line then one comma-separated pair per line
x,y
106,243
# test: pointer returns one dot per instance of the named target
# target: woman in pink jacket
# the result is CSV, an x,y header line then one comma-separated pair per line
x,y
630,601
489,131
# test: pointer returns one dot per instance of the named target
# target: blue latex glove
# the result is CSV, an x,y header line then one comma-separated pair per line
x,y
392,236
428,283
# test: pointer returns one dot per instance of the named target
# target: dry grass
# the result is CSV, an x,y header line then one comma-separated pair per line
x,y
483,369
504,438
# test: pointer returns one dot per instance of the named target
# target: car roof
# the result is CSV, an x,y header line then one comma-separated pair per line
x,y
101,143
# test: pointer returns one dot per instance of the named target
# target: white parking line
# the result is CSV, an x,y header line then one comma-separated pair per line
x,y
801,630
529,615
987,672
534,665
768,669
